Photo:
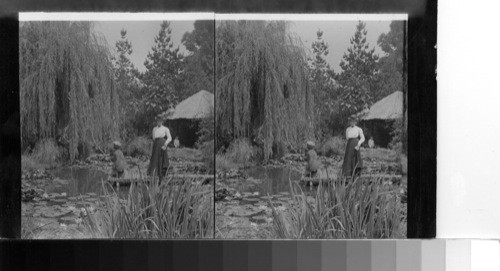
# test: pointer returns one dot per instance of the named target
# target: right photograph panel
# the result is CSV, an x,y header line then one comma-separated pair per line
x,y
311,128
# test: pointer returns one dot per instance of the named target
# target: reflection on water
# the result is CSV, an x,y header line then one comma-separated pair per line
x,y
269,180
76,181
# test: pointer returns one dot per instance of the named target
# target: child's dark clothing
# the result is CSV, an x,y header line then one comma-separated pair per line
x,y
119,163
312,162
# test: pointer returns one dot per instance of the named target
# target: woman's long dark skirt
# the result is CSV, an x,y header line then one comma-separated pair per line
x,y
158,164
352,158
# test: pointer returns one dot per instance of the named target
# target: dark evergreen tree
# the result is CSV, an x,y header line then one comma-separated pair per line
x,y
391,64
162,79
358,79
199,63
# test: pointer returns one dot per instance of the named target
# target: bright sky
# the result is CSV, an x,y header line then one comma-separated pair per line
x,y
142,34
336,33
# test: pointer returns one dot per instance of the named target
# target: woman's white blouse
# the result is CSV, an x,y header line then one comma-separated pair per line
x,y
161,132
355,132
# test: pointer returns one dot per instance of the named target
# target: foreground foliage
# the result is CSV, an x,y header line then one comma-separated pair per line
x,y
156,211
341,211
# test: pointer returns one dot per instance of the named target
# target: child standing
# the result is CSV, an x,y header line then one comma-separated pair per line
x,y
118,159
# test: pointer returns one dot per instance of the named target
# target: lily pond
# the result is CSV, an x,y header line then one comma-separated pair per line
x,y
55,201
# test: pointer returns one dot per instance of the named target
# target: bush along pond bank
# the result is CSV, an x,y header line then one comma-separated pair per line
x,y
269,200
69,200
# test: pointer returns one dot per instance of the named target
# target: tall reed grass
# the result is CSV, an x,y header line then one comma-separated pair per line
x,y
341,210
170,210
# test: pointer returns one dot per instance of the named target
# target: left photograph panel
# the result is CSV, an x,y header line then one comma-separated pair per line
x,y
117,125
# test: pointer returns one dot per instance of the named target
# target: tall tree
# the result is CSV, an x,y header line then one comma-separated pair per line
x,y
200,61
67,87
323,83
127,85
391,64
163,73
263,90
359,73
393,74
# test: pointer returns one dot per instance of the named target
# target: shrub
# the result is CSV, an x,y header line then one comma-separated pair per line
x,y
207,150
333,146
399,135
206,129
28,163
168,210
240,152
279,150
222,163
341,211
139,146
84,150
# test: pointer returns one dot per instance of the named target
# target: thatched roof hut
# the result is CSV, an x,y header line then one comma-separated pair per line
x,y
378,120
185,119
389,108
197,106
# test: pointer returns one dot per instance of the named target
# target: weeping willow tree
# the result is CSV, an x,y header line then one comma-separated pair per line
x,y
262,85
67,91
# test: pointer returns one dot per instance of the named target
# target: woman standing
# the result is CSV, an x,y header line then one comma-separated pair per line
x,y
158,164
352,157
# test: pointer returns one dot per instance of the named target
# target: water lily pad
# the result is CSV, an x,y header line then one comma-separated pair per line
x,y
49,212
243,211
68,219
253,200
259,219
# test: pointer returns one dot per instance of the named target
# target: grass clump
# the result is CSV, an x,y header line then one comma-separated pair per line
x,y
341,210
168,210
45,154
239,154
